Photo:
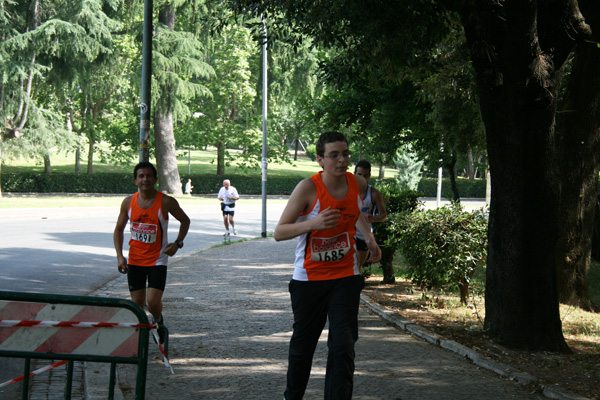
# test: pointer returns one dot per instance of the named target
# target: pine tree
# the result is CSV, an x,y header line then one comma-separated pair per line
x,y
177,66
409,168
40,43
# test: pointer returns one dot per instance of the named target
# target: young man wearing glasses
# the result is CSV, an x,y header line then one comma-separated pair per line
x,y
324,212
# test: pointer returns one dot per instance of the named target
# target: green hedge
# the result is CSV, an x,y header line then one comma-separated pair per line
x,y
123,183
203,184
68,183
466,188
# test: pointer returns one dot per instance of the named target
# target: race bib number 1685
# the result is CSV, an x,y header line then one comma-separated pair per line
x,y
330,248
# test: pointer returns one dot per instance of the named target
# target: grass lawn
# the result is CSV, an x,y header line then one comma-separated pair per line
x,y
199,162
58,201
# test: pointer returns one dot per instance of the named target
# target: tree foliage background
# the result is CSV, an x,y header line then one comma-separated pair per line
x,y
512,82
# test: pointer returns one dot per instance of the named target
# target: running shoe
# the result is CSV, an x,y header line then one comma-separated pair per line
x,y
234,231
226,233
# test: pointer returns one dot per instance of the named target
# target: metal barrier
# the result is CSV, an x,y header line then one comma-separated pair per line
x,y
74,328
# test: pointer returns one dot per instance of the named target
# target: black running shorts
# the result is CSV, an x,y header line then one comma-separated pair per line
x,y
155,276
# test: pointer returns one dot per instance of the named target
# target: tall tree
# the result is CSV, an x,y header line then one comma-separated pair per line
x,y
224,117
177,63
578,124
518,51
293,89
39,39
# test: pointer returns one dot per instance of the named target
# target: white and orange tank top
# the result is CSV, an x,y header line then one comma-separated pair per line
x,y
367,208
329,253
148,233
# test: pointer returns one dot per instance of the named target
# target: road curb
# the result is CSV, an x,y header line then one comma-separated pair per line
x,y
552,392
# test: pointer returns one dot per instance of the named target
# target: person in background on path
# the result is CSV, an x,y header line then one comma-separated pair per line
x,y
188,187
227,196
323,212
149,248
373,209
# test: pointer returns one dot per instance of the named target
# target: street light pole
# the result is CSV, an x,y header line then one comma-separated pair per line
x,y
146,82
263,164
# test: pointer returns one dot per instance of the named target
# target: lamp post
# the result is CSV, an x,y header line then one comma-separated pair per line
x,y
263,163
439,183
146,82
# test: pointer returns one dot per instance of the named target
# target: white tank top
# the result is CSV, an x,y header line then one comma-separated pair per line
x,y
367,208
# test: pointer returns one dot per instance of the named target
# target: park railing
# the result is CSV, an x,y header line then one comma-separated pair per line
x,y
74,328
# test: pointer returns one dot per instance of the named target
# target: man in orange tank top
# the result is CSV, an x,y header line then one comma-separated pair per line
x,y
148,212
322,213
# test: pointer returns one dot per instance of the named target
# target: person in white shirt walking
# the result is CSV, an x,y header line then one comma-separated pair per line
x,y
227,196
189,187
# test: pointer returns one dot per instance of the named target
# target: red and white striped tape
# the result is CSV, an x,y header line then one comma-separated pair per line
x,y
12,323
165,358
59,363
36,372
48,328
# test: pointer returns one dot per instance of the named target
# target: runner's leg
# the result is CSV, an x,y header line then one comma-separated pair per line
x,y
155,303
139,297
343,334
157,280
225,219
309,305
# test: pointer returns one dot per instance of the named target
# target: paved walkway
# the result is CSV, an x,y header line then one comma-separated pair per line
x,y
229,314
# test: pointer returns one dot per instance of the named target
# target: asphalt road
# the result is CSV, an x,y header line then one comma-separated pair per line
x,y
70,250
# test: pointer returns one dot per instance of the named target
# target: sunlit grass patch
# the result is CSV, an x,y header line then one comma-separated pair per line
x,y
581,327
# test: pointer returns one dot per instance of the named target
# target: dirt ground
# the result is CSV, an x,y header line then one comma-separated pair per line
x,y
578,372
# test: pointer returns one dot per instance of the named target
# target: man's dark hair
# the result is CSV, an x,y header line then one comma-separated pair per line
x,y
142,165
364,164
329,137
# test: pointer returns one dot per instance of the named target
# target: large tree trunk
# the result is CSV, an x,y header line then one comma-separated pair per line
x,y
220,159
579,125
297,145
47,164
470,165
78,160
518,85
387,265
166,156
34,15
78,150
452,176
91,149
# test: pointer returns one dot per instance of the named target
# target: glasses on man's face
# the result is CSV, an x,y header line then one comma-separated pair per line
x,y
336,155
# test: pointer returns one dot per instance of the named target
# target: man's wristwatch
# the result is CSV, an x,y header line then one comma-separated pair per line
x,y
179,244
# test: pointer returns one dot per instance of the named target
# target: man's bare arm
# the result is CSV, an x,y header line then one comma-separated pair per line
x,y
172,207
300,201
364,228
118,235
381,210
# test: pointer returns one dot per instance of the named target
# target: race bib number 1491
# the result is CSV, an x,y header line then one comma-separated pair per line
x,y
330,248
